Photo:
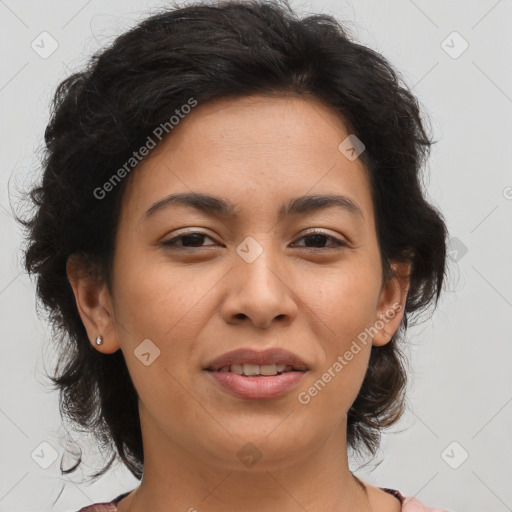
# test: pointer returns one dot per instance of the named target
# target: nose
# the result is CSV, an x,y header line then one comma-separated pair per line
x,y
259,292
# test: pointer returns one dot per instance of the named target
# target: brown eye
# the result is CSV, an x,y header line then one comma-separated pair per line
x,y
188,240
318,238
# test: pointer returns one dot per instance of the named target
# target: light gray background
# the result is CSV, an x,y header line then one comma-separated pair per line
x,y
461,390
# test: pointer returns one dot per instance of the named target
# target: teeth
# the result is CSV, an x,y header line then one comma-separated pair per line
x,y
254,369
251,369
237,368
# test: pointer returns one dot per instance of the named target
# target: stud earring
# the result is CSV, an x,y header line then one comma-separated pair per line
x,y
99,340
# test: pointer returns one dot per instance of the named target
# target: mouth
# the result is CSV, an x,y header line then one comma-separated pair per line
x,y
251,362
251,374
256,370
256,386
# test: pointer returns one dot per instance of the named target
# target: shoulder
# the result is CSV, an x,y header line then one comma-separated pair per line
x,y
106,506
410,504
100,507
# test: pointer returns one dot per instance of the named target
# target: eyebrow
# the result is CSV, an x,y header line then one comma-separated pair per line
x,y
216,206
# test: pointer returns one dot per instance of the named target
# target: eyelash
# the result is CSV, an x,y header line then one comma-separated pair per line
x,y
170,243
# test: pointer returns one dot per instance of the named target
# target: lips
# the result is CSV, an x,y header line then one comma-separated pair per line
x,y
273,356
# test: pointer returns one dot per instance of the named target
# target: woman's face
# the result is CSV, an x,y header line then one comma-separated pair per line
x,y
308,281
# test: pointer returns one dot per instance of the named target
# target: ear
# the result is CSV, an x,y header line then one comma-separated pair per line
x,y
391,306
94,304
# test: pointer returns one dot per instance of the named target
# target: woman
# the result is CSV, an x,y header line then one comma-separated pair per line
x,y
230,238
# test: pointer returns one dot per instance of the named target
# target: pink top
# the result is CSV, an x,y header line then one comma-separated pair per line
x,y
409,504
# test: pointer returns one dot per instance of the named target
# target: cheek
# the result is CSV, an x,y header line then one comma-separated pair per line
x,y
169,306
345,299
155,298
346,303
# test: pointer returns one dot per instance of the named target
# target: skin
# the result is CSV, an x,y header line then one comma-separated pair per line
x,y
258,153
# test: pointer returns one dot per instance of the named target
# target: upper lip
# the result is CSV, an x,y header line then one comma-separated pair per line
x,y
259,357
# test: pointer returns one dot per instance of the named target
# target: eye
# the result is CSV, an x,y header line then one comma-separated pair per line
x,y
194,239
188,240
317,237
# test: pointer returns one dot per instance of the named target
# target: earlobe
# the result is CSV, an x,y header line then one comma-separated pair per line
x,y
392,303
93,304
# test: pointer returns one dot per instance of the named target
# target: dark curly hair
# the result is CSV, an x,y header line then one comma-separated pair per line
x,y
229,49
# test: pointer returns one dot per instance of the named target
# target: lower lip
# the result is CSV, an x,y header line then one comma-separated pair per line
x,y
259,387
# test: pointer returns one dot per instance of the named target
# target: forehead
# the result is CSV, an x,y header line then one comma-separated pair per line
x,y
254,151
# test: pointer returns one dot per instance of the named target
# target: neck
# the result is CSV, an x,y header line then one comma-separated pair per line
x,y
315,478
